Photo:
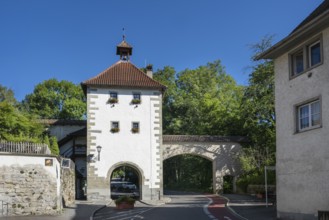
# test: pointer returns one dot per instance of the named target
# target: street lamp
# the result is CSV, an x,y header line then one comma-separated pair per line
x,y
99,148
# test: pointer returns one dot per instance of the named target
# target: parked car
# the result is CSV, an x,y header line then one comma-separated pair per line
x,y
129,185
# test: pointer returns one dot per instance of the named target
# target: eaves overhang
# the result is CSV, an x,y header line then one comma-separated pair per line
x,y
297,37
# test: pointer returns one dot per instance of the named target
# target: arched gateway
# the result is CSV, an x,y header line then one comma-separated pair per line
x,y
221,151
124,127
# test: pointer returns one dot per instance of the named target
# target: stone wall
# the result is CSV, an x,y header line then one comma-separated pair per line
x,y
29,190
68,186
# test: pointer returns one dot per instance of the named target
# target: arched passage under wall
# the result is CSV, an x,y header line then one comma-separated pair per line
x,y
188,172
222,151
125,178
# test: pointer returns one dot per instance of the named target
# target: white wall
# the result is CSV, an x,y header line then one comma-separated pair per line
x,y
302,158
125,146
61,131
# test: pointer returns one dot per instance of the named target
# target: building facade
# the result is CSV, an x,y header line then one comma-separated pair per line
x,y
119,150
124,127
301,63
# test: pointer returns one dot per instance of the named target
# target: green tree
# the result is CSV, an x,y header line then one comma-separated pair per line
x,y
201,101
56,99
259,118
259,114
18,126
7,95
207,101
46,140
53,145
167,76
188,173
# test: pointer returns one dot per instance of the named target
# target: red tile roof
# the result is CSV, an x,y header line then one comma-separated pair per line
x,y
123,74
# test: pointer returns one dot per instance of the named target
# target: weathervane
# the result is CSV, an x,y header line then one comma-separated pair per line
x,y
124,34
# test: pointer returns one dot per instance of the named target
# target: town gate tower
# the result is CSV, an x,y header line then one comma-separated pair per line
x,y
124,127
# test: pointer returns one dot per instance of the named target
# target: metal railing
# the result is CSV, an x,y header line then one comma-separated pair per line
x,y
4,208
23,148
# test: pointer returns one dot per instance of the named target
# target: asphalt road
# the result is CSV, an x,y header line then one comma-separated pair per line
x,y
182,206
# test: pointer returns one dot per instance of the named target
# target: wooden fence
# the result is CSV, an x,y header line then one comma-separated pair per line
x,y
23,148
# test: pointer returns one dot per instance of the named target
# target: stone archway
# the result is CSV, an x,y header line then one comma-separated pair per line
x,y
222,151
135,168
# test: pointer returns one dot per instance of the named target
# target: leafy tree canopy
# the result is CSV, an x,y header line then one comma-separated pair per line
x,y
7,95
201,101
56,99
18,126
259,118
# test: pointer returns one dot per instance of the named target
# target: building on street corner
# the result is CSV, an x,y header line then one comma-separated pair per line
x,y
301,63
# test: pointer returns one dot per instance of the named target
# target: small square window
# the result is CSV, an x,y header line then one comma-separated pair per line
x,y
115,127
136,98
113,98
135,127
113,95
309,115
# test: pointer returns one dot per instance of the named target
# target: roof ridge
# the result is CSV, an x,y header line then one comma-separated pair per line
x,y
321,9
103,72
123,74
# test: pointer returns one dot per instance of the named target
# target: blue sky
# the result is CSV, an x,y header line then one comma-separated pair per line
x,y
75,40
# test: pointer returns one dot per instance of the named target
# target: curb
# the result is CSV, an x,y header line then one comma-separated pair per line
x,y
157,203
232,210
94,212
205,209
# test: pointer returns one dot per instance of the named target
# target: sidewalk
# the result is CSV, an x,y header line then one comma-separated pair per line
x,y
83,210
251,208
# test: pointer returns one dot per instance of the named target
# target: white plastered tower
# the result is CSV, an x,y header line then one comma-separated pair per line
x,y
126,131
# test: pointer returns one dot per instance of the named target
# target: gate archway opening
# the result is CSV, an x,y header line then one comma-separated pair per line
x,y
188,172
228,184
125,180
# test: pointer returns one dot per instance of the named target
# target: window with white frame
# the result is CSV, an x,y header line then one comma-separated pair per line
x,y
309,115
306,57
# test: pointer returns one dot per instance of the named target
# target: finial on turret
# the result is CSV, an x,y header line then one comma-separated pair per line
x,y
124,49
123,34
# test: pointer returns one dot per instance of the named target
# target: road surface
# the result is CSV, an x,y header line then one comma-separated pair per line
x,y
182,206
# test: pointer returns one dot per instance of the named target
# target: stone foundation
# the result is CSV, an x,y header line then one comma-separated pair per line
x,y
29,190
68,186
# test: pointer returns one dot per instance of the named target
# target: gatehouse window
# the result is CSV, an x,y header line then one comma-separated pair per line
x,y
113,98
115,126
136,98
135,127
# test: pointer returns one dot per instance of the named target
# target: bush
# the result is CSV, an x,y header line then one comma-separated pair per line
x,y
125,199
54,145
